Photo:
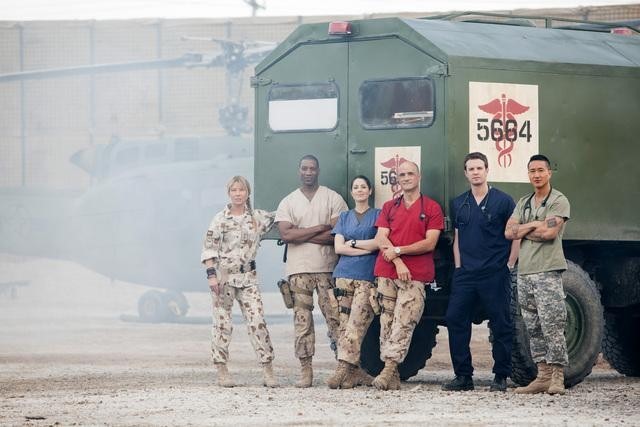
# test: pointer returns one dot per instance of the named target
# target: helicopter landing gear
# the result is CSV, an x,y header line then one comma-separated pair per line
x,y
155,306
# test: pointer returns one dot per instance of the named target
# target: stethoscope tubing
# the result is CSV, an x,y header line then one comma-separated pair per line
x,y
396,204
466,203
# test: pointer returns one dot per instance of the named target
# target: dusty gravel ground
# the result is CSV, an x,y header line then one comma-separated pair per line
x,y
67,358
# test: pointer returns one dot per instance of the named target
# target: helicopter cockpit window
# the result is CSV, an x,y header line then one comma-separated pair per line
x,y
127,156
397,103
308,107
155,151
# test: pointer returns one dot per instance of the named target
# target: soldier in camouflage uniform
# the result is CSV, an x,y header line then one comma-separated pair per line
x,y
229,252
354,242
408,231
305,219
539,220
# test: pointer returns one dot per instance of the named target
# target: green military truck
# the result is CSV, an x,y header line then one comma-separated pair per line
x,y
365,95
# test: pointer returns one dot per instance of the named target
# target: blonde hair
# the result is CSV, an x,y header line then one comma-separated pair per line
x,y
244,182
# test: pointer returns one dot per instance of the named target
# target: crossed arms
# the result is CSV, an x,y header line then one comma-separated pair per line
x,y
364,247
319,234
425,245
537,231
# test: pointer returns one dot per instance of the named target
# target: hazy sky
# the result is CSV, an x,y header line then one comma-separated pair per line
x,y
125,9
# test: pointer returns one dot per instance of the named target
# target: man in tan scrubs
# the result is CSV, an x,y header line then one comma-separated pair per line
x,y
305,219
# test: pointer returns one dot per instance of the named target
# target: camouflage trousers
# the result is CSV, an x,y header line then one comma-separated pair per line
x,y
402,303
302,286
541,300
252,309
356,315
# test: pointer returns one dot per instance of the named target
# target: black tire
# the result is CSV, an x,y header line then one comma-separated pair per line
x,y
370,349
176,304
584,330
420,350
152,307
621,346
523,370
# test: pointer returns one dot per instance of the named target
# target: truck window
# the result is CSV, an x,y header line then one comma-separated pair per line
x,y
397,103
308,107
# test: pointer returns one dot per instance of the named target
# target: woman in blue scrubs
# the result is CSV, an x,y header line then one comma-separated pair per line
x,y
354,242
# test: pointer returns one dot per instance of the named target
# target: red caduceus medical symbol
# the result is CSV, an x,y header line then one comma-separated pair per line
x,y
504,111
393,164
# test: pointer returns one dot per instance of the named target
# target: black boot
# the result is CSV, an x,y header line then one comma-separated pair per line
x,y
459,383
499,383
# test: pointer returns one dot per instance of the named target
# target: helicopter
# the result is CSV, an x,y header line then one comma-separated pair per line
x,y
143,217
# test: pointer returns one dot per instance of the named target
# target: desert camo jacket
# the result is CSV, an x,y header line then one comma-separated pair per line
x,y
234,240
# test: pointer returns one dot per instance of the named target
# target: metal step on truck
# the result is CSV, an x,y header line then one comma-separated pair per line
x,y
362,95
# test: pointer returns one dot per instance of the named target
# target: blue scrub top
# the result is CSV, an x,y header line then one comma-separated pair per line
x,y
356,267
483,247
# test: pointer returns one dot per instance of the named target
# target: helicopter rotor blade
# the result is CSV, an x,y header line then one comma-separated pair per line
x,y
228,42
187,60
257,54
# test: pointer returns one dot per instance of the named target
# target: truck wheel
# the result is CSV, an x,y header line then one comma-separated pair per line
x,y
422,343
523,370
621,347
585,323
583,332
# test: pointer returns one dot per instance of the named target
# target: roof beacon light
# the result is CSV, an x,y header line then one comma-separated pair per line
x,y
340,28
622,31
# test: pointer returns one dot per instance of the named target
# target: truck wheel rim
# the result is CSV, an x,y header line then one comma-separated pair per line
x,y
574,330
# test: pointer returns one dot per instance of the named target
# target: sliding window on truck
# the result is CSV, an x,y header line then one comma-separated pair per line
x,y
397,103
308,107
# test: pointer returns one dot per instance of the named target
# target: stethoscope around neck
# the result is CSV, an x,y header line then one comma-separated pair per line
x,y
396,204
527,205
465,203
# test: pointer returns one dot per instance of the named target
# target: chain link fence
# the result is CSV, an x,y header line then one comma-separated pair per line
x,y
45,121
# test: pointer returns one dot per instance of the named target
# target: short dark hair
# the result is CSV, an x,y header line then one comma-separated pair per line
x,y
476,155
362,177
539,157
309,157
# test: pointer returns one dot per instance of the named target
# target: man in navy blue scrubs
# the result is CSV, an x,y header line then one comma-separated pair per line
x,y
483,258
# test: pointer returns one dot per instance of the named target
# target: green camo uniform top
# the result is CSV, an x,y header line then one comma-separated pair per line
x,y
538,257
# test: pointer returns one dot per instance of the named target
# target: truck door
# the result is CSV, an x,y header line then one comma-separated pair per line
x,y
301,109
395,113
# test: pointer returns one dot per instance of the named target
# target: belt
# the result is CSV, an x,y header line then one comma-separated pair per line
x,y
242,268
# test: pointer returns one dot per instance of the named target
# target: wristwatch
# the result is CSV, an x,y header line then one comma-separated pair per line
x,y
397,250
353,243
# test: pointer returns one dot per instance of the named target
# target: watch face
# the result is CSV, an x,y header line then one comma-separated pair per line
x,y
397,250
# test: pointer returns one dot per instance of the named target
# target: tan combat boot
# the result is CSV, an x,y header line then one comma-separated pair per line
x,y
382,381
269,380
364,378
344,370
359,377
557,380
395,381
224,378
306,373
541,383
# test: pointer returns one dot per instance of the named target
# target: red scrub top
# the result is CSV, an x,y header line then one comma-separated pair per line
x,y
406,228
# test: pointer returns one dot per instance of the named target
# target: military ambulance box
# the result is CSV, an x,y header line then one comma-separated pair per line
x,y
364,96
